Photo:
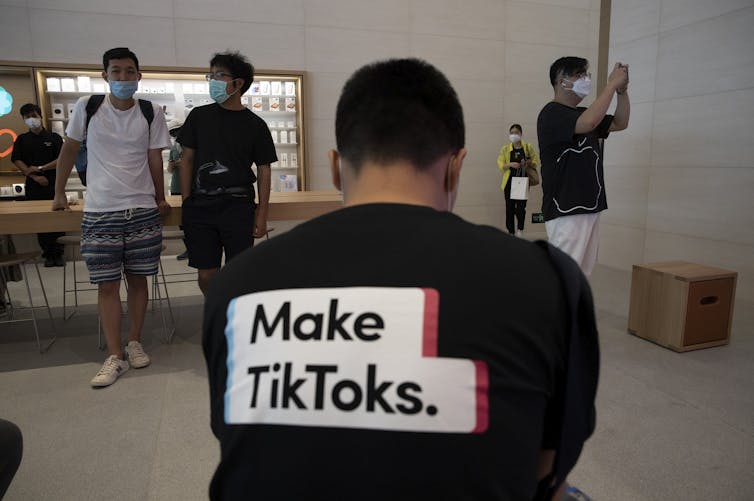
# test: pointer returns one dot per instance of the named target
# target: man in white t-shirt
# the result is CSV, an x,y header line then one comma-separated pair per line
x,y
125,199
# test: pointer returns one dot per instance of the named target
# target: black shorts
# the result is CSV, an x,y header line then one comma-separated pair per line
x,y
212,225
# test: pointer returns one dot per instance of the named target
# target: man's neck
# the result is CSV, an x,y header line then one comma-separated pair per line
x,y
121,104
37,131
233,103
567,99
399,183
517,145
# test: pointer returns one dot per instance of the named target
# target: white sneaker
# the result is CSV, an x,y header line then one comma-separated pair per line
x,y
519,234
136,355
110,371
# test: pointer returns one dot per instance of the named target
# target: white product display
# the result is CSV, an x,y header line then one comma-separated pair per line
x,y
53,84
57,127
85,84
58,111
68,84
273,98
287,182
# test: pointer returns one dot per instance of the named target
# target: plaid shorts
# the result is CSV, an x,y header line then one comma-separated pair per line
x,y
127,241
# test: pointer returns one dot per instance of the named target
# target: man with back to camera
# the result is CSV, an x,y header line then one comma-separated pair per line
x,y
358,356
35,154
121,227
220,143
573,181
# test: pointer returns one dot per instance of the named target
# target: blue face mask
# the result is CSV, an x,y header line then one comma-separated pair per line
x,y
217,91
124,89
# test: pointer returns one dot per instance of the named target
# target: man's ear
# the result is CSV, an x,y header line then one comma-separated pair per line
x,y
454,170
335,160
104,76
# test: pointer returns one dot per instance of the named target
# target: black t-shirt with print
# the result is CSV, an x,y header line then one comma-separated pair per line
x,y
226,144
38,149
330,392
573,181
517,155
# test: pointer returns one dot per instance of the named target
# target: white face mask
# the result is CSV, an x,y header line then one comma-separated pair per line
x,y
514,138
33,122
581,87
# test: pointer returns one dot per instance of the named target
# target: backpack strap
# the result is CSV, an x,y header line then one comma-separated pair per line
x,y
92,105
578,416
147,110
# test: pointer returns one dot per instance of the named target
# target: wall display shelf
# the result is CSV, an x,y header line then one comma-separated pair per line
x,y
276,96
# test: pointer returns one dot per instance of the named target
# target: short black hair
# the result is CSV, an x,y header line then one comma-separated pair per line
x,y
30,108
516,126
398,109
238,66
119,53
567,66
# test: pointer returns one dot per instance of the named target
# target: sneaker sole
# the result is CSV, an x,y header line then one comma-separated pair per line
x,y
105,384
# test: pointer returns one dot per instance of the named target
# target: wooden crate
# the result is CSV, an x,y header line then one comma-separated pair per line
x,y
682,306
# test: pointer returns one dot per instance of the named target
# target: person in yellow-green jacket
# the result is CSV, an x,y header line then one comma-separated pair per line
x,y
513,159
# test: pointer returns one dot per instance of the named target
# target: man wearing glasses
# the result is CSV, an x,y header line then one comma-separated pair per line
x,y
573,182
220,143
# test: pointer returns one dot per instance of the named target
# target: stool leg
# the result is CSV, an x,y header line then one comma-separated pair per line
x,y
167,297
47,305
75,281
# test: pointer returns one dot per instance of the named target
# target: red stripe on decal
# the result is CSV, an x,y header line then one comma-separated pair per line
x,y
431,313
482,401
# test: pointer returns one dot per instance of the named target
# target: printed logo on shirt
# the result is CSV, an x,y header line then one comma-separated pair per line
x,y
355,357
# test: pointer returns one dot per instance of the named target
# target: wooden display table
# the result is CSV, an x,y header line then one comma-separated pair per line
x,y
682,306
36,216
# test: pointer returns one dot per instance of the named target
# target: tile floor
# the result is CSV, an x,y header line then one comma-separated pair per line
x,y
670,426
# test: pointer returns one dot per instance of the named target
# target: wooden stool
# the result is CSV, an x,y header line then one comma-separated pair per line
x,y
682,306
8,260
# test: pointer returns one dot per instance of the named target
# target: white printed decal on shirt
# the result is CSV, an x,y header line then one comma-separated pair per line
x,y
354,357
582,151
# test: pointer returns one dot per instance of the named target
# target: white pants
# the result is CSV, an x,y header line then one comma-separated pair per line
x,y
578,236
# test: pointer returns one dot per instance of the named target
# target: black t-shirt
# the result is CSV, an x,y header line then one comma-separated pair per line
x,y
399,356
517,155
227,143
573,181
38,149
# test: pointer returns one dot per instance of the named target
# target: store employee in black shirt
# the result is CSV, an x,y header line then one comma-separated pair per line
x,y
367,353
35,154
573,182
220,143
